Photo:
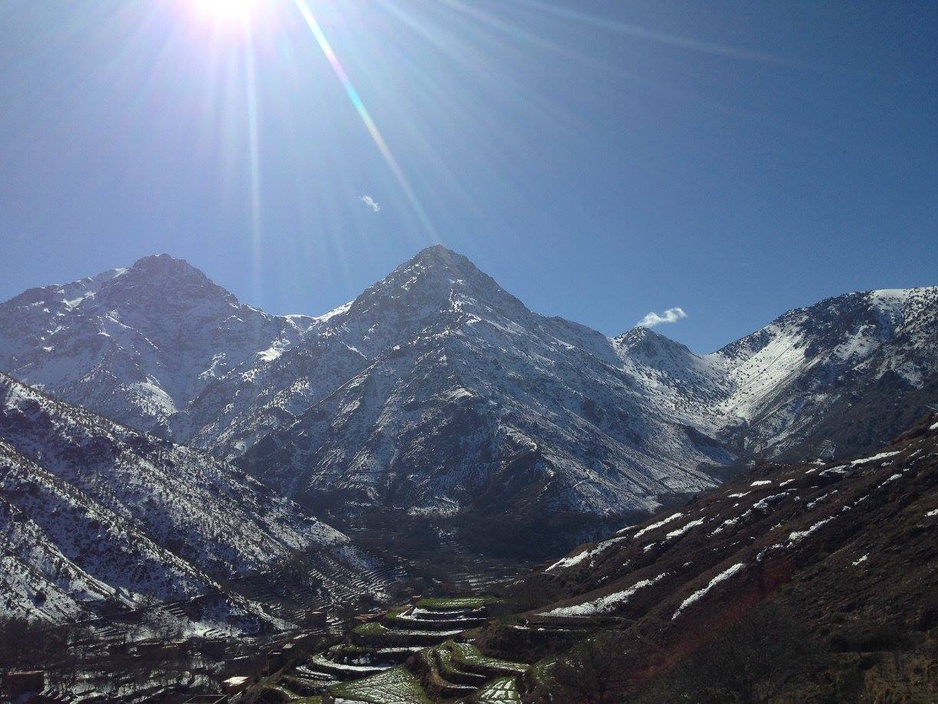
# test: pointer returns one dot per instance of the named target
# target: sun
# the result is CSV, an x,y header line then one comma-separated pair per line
x,y
227,11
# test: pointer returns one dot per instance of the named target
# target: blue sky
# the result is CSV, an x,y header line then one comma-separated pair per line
x,y
600,159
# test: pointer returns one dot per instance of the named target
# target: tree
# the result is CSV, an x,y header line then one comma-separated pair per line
x,y
598,670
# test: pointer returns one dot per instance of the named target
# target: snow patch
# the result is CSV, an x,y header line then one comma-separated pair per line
x,y
272,353
700,593
799,535
820,499
766,502
603,604
566,562
657,525
344,308
876,458
683,529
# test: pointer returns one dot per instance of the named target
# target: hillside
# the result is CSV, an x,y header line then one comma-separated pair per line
x,y
827,569
792,583
98,518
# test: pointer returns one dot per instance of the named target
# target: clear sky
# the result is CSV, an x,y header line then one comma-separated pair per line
x,y
602,159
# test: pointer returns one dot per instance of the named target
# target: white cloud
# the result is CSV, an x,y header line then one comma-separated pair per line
x,y
370,202
671,315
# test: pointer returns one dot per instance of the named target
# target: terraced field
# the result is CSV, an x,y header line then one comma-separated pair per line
x,y
411,655
500,691
396,686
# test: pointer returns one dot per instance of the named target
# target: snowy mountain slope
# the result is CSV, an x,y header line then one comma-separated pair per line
x,y
234,411
51,530
89,507
682,383
136,344
837,377
437,391
471,401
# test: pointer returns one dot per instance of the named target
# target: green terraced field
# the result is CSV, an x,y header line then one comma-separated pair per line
x,y
460,602
468,654
500,691
396,686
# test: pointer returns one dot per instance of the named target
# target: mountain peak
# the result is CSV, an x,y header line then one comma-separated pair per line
x,y
159,266
643,338
438,255
443,262
161,261
161,278
441,276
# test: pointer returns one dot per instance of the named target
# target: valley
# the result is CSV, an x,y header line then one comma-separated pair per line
x,y
190,484
777,587
787,584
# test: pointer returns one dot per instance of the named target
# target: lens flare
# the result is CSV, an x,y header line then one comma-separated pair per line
x,y
366,118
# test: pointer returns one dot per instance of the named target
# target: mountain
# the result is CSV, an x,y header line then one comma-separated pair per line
x,y
97,517
838,377
139,344
437,393
471,402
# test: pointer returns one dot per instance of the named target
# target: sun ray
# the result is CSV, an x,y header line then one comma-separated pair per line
x,y
654,36
254,155
366,118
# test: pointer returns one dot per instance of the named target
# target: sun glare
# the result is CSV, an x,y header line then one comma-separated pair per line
x,y
224,11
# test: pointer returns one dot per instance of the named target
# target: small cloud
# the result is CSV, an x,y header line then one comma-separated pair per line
x,y
370,203
671,315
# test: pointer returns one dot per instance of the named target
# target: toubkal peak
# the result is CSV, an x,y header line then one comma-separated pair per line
x,y
437,273
436,288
